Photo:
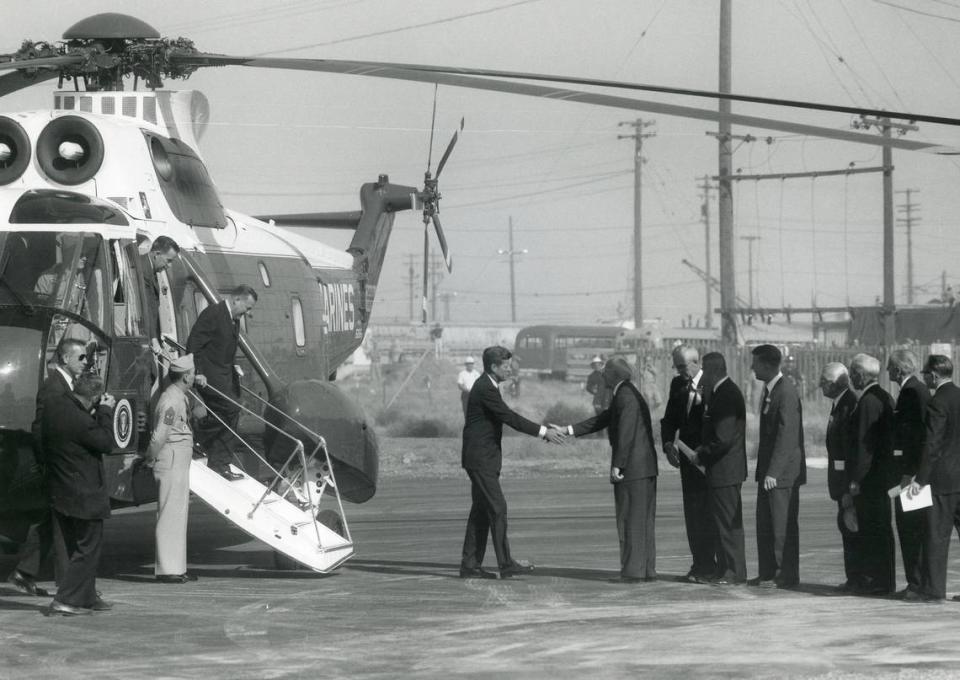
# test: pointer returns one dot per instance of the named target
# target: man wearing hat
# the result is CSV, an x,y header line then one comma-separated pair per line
x,y
170,453
597,387
465,381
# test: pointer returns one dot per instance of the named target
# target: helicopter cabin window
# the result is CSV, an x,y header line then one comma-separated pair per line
x,y
264,274
299,329
127,313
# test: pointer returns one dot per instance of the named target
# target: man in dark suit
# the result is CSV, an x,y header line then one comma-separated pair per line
x,y
835,385
907,447
723,452
482,458
43,537
75,443
940,468
683,417
633,470
163,251
869,461
213,342
781,471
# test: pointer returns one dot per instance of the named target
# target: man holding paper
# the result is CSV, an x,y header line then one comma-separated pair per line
x,y
683,422
724,455
940,468
907,447
869,461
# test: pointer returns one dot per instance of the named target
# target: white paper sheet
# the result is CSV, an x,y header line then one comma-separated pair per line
x,y
924,499
691,455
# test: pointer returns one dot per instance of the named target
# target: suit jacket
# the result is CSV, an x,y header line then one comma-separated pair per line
x,y
483,426
689,425
908,425
838,429
780,452
53,387
940,460
75,443
723,450
627,421
870,451
213,343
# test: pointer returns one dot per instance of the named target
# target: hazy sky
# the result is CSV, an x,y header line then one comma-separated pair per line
x,y
286,142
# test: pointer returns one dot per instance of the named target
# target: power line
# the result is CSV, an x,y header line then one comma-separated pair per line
x,y
917,11
400,29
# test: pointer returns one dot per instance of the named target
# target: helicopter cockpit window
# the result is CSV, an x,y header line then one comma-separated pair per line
x,y
49,269
48,206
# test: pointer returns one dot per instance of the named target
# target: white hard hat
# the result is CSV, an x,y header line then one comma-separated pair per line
x,y
469,360
596,360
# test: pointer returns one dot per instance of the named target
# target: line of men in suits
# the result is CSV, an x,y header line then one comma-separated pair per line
x,y
703,433
875,444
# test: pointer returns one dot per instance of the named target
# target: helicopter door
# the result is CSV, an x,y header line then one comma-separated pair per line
x,y
168,310
133,363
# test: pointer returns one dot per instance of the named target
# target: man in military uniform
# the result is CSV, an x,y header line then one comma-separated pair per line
x,y
597,387
170,452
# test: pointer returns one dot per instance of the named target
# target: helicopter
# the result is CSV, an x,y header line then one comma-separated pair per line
x,y
86,186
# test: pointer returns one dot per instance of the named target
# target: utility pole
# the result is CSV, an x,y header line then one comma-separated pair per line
x,y
446,297
638,136
512,253
908,221
889,301
728,286
706,187
750,240
411,279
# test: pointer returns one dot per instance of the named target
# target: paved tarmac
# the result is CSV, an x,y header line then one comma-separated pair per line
x,y
399,610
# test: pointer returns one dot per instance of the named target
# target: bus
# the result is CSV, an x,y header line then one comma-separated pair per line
x,y
563,352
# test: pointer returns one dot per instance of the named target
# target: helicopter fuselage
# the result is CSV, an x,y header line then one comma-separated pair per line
x,y
84,189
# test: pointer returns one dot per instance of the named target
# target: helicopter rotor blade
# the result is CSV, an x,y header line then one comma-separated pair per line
x,y
446,154
18,80
41,62
447,258
454,79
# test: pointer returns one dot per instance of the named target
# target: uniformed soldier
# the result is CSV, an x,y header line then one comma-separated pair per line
x,y
170,453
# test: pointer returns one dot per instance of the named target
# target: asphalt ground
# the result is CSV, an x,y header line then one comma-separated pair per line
x,y
399,610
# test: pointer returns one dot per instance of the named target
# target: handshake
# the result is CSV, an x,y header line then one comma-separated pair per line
x,y
556,434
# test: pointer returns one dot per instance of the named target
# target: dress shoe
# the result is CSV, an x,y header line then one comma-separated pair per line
x,y
872,590
692,577
230,475
845,587
727,580
762,582
176,578
476,572
516,569
68,609
914,596
101,605
26,585
956,598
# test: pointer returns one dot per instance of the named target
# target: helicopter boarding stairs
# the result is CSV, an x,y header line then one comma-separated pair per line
x,y
285,512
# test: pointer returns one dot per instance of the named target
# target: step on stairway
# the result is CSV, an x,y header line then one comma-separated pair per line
x,y
283,525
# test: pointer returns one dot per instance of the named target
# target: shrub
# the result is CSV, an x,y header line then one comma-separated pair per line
x,y
566,413
424,427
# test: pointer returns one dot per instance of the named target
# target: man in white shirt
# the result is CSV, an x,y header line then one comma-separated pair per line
x,y
465,380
